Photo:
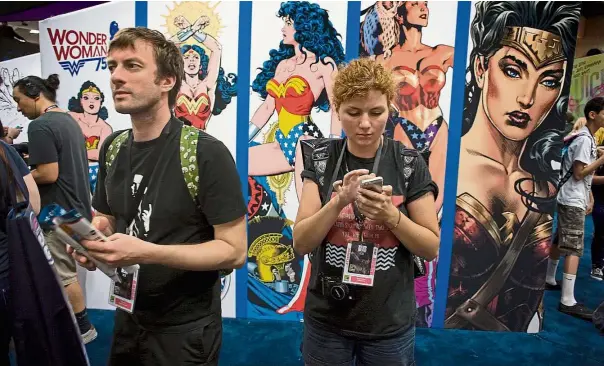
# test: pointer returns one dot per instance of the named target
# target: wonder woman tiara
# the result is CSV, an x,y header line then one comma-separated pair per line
x,y
91,89
541,47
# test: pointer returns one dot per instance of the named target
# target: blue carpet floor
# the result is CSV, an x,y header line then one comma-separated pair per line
x,y
564,341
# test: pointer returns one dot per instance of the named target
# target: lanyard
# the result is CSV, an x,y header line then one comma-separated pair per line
x,y
51,107
358,216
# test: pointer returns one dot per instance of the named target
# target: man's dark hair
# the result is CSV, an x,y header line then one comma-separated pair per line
x,y
33,86
593,52
167,55
595,105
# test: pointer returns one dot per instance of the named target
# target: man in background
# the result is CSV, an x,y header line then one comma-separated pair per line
x,y
574,202
57,152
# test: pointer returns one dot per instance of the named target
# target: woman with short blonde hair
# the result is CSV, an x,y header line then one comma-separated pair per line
x,y
367,205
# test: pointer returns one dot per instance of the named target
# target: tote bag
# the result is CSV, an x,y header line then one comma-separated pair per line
x,y
45,331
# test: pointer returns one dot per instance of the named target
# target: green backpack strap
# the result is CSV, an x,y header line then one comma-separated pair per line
x,y
114,148
189,136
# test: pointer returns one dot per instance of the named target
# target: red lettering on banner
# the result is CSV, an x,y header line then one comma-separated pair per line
x,y
61,52
72,40
56,36
71,44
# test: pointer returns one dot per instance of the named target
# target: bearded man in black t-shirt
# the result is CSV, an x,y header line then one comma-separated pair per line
x,y
180,244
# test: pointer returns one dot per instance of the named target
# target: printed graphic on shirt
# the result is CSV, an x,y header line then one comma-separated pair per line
x,y
346,229
140,226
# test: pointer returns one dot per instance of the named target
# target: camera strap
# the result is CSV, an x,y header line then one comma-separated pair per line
x,y
357,214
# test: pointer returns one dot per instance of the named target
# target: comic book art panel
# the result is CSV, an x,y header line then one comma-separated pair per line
x,y
296,47
10,72
207,34
518,79
91,115
415,40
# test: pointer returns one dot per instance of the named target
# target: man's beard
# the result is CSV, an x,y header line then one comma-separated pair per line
x,y
137,107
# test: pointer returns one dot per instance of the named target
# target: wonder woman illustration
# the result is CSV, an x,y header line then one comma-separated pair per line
x,y
516,94
88,110
295,79
205,89
391,32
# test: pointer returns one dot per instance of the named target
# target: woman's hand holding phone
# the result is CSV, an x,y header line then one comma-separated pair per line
x,y
374,202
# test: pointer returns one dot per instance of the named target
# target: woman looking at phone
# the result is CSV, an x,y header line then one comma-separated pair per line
x,y
360,303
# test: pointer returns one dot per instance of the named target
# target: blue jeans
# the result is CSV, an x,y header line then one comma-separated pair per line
x,y
5,323
323,348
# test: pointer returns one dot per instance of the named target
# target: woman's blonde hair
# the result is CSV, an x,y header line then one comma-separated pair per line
x,y
358,78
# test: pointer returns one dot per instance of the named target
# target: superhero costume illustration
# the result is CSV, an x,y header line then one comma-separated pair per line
x,y
417,88
293,102
196,110
498,268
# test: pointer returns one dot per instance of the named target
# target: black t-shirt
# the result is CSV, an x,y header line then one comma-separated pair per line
x,y
55,137
168,215
19,170
389,306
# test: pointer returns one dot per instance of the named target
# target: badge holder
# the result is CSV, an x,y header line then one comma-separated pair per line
x,y
122,294
361,258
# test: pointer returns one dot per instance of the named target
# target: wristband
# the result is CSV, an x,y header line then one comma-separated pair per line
x,y
398,222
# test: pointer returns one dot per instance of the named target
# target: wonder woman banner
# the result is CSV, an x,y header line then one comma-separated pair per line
x,y
74,46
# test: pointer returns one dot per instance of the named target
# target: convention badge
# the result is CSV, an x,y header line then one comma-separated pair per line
x,y
122,294
359,268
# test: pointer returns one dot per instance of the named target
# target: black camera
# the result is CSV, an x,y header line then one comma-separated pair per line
x,y
334,288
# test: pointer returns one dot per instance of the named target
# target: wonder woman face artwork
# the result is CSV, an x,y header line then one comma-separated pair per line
x,y
522,81
514,115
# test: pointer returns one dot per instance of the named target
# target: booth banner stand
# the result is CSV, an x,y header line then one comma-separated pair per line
x,y
425,126
501,235
74,46
10,72
207,34
277,276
